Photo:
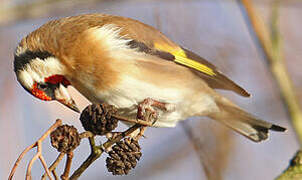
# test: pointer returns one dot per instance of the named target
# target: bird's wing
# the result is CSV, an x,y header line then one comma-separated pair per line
x,y
200,66
147,39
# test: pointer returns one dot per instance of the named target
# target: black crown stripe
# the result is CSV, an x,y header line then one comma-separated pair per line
x,y
23,59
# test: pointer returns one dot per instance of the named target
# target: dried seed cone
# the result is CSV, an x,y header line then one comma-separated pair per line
x,y
123,157
65,138
97,118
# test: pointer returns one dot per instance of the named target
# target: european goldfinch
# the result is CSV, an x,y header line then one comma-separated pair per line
x,y
124,62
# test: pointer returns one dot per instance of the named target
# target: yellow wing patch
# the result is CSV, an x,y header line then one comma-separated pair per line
x,y
181,58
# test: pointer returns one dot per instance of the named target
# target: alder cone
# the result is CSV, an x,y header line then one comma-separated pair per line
x,y
65,138
98,119
123,157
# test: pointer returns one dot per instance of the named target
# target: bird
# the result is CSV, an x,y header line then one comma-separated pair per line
x,y
133,66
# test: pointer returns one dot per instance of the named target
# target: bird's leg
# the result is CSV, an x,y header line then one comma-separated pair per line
x,y
140,133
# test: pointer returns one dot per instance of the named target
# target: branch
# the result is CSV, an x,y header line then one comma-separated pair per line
x,y
67,166
38,154
96,151
54,165
134,121
66,138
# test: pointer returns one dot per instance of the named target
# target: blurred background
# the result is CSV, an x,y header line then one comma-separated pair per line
x,y
196,149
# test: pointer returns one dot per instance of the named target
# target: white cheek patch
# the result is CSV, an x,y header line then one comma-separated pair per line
x,y
37,70
25,78
45,68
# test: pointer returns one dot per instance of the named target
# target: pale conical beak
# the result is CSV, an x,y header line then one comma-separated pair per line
x,y
62,95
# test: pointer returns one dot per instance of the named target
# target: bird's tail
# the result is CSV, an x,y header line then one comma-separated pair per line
x,y
243,122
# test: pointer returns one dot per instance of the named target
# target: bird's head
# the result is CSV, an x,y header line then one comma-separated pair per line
x,y
42,75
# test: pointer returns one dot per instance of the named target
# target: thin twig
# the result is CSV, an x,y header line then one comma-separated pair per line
x,y
86,134
96,151
54,165
19,159
94,155
134,121
45,165
271,45
38,155
110,142
28,172
67,166
55,174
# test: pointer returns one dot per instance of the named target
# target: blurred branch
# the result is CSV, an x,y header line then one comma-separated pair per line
x,y
213,148
44,8
197,144
158,165
272,47
197,147
38,8
212,160
294,171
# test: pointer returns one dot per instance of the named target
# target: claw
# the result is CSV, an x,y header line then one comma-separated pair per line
x,y
148,111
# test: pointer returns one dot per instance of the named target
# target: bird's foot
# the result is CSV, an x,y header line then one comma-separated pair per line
x,y
148,109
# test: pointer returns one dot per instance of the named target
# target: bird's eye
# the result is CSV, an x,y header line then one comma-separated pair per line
x,y
42,86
